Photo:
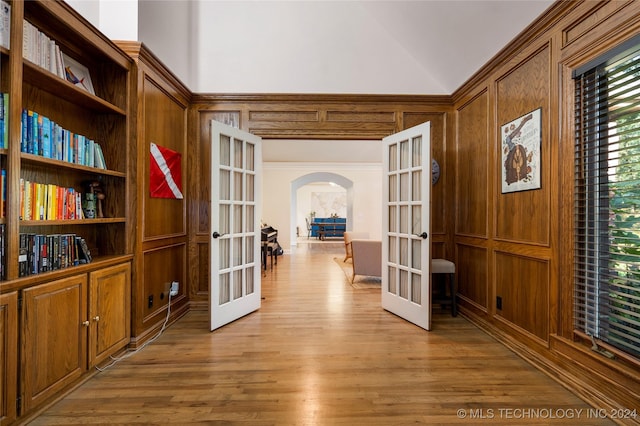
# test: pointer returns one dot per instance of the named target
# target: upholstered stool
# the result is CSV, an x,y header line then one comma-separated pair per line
x,y
272,251
444,266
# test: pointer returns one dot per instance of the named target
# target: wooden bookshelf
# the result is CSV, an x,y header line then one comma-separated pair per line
x,y
101,117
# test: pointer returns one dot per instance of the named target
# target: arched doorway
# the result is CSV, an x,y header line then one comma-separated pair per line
x,y
298,183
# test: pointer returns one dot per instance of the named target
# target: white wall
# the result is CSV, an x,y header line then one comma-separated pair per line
x,y
89,9
167,29
118,20
302,47
367,195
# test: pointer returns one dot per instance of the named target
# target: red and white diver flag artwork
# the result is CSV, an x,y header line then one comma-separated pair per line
x,y
165,173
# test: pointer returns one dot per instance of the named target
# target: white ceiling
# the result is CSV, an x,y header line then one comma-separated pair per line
x,y
347,46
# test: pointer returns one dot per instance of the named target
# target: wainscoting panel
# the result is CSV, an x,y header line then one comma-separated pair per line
x,y
163,216
522,90
472,179
522,284
162,266
472,275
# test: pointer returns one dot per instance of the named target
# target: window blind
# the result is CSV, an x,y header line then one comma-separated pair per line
x,y
607,203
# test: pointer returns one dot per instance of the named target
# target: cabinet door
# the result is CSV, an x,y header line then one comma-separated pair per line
x,y
8,355
54,337
110,313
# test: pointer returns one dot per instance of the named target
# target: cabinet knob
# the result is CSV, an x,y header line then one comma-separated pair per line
x,y
96,318
85,323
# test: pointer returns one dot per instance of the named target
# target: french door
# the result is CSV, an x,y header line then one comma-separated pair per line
x,y
236,163
406,257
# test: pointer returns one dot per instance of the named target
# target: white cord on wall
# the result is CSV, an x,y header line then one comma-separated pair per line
x,y
115,360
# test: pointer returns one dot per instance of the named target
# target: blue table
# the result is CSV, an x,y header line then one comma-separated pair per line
x,y
323,227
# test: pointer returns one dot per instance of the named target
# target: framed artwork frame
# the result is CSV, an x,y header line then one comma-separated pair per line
x,y
77,74
521,142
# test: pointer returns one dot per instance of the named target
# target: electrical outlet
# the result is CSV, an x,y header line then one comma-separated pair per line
x,y
175,286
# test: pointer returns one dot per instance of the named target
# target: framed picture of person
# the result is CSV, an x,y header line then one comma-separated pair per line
x,y
520,148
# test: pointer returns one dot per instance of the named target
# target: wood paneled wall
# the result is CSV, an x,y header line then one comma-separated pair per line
x,y
517,247
160,248
280,116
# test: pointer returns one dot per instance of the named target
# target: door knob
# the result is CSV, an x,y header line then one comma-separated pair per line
x,y
96,318
217,235
85,323
424,235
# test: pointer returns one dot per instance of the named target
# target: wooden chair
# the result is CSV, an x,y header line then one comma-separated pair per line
x,y
308,227
447,267
350,235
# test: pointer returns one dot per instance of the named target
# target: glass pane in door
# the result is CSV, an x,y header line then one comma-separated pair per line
x,y
238,190
237,153
250,156
225,150
225,290
393,157
416,149
225,191
416,187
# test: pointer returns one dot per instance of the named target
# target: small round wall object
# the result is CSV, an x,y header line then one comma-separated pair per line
x,y
435,171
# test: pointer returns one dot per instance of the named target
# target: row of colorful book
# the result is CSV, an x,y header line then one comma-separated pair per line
x,y
44,137
42,253
46,201
4,123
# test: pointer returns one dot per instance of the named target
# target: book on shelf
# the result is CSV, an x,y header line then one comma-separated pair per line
x,y
84,256
23,255
4,122
45,136
3,193
103,163
5,24
3,252
3,126
77,74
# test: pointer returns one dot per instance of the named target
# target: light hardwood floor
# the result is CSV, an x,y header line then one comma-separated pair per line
x,y
320,352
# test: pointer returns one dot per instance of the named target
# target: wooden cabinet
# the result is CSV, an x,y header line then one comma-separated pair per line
x,y
8,355
109,311
70,325
54,337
